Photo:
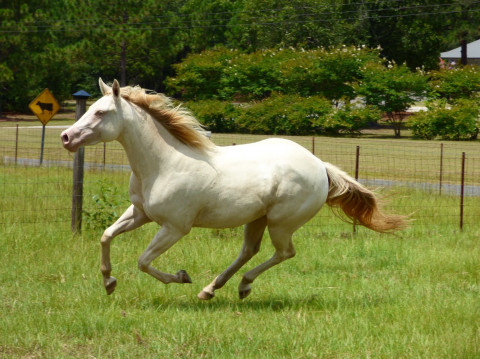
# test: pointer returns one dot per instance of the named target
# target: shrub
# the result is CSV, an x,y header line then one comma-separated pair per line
x,y
327,72
392,89
285,115
217,116
351,119
250,77
108,206
422,126
456,83
199,75
232,75
456,122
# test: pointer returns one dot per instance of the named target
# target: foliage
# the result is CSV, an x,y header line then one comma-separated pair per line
x,y
284,115
251,76
198,76
451,122
229,74
455,83
107,202
392,89
66,45
328,72
217,116
350,119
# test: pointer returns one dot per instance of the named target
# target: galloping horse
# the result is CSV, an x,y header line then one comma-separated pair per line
x,y
180,180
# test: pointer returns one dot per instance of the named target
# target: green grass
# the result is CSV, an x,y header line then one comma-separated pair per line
x,y
414,295
410,295
387,159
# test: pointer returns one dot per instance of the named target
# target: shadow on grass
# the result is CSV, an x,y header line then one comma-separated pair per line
x,y
273,303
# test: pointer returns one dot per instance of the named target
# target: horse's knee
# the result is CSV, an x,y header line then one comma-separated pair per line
x,y
143,264
106,238
249,252
286,254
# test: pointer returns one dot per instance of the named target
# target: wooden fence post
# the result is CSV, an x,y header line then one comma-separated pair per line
x,y
78,162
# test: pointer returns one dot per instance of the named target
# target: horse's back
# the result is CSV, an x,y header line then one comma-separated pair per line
x,y
275,177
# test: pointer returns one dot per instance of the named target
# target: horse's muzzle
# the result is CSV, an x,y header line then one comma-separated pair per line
x,y
68,140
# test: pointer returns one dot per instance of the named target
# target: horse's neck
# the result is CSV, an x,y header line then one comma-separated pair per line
x,y
150,148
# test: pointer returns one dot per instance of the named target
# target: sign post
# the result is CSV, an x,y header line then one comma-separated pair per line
x,y
45,106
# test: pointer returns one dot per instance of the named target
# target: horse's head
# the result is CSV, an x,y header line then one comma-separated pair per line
x,y
102,122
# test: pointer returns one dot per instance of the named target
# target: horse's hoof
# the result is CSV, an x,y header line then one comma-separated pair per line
x,y
183,277
110,285
203,295
244,293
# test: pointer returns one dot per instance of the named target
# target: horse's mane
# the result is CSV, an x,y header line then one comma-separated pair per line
x,y
177,120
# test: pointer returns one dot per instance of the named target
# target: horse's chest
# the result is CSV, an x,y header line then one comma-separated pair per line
x,y
165,202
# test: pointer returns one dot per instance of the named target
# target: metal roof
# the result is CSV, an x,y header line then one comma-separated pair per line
x,y
473,52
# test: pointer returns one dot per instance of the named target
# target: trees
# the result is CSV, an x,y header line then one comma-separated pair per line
x,y
458,121
453,109
65,44
392,89
30,51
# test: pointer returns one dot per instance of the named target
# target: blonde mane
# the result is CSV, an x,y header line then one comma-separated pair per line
x,y
177,120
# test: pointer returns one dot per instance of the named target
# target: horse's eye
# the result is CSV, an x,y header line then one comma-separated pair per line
x,y
99,113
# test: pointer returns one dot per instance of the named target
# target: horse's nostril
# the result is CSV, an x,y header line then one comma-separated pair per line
x,y
64,138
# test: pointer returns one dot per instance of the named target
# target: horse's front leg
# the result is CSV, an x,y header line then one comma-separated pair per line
x,y
166,237
131,219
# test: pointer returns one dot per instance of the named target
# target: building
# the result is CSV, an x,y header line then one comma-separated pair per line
x,y
473,54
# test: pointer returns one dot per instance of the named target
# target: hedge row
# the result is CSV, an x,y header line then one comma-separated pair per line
x,y
232,75
309,92
283,115
459,121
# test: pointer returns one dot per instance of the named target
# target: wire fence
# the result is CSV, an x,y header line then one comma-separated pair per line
x,y
421,178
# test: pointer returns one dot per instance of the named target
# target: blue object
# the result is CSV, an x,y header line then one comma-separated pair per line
x,y
81,95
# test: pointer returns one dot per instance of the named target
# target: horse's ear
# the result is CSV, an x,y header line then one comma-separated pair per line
x,y
103,87
116,89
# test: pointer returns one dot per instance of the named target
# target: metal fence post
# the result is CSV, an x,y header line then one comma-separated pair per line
x,y
78,162
462,190
441,167
357,160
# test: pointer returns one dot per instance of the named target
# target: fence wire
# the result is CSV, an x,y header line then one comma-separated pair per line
x,y
421,178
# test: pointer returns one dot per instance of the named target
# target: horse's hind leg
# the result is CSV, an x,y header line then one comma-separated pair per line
x,y
253,234
282,241
132,218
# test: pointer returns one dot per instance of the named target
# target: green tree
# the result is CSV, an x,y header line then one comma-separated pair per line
x,y
456,83
31,56
392,89
459,121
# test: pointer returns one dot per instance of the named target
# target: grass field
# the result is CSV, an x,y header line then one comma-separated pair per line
x,y
411,295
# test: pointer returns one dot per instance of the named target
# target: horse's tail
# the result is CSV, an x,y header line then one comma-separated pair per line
x,y
359,203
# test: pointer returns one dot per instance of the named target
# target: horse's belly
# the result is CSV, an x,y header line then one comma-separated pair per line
x,y
231,213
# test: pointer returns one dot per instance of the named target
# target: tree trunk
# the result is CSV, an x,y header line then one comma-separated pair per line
x,y
123,56
396,123
123,64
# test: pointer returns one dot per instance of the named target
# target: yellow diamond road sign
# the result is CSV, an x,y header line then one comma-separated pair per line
x,y
44,106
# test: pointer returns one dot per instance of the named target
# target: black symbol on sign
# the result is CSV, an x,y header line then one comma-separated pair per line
x,y
45,106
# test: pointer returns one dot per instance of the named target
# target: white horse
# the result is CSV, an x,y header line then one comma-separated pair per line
x,y
180,180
